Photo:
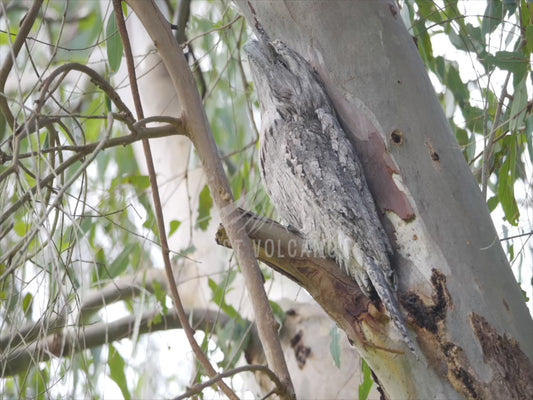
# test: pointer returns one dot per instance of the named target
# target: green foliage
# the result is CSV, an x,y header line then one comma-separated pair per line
x,y
232,337
27,304
507,178
54,249
174,226
366,385
219,293
279,314
122,260
117,373
90,26
204,209
114,44
161,296
335,346
39,381
497,44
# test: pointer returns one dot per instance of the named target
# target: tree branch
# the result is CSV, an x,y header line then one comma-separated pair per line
x,y
139,132
196,389
202,138
118,290
31,125
286,252
78,338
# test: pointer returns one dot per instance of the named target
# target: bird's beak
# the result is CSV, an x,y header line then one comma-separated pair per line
x,y
260,53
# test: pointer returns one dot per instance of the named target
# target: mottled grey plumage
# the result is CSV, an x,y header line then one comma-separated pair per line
x,y
313,175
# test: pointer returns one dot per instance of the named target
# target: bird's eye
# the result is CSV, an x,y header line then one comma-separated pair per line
x,y
283,62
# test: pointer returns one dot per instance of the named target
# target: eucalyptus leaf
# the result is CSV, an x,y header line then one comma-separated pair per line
x,y
204,209
334,346
114,43
492,17
117,373
506,186
512,61
218,297
174,226
529,136
122,261
529,38
366,385
518,106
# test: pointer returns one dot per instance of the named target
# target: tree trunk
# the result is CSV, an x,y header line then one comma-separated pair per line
x,y
464,307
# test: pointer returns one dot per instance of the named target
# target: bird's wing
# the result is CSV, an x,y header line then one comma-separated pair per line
x,y
317,183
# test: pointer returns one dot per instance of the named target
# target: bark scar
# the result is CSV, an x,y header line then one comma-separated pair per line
x,y
429,316
433,154
512,369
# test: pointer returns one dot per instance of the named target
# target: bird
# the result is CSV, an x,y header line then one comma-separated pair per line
x,y
313,175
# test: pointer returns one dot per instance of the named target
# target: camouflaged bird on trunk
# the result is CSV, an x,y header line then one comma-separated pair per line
x,y
313,175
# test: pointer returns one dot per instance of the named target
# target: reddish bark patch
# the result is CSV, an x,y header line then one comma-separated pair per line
x,y
379,170
59,346
370,146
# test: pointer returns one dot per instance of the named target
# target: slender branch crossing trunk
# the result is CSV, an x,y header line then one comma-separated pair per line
x,y
201,136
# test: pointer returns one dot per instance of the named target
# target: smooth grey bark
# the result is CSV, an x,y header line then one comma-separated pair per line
x,y
456,286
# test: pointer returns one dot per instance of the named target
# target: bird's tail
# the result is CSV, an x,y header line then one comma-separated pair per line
x,y
388,297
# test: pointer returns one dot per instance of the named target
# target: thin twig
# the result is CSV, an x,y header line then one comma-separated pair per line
x,y
212,30
202,137
81,152
530,233
196,389
139,133
33,124
95,78
224,67
184,11
23,244
27,24
119,289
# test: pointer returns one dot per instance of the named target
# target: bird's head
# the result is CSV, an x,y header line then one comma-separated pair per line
x,y
285,82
